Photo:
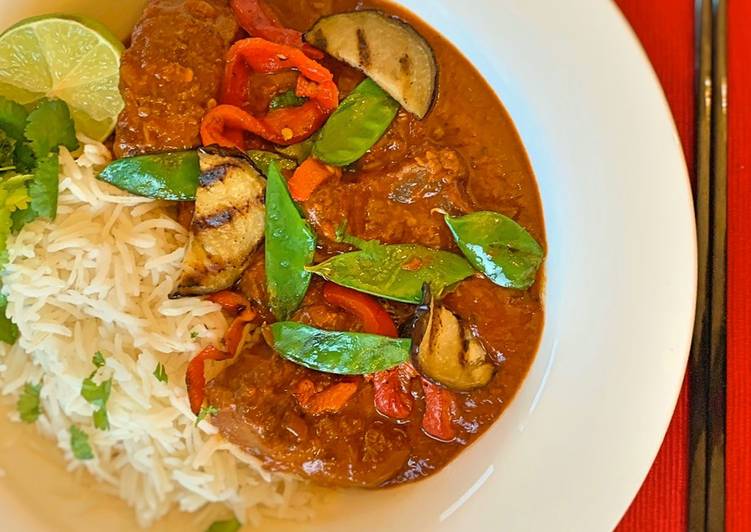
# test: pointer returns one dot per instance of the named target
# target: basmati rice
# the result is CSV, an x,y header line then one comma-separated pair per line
x,y
97,279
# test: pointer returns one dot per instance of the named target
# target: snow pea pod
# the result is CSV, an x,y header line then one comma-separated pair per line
x,y
343,353
167,176
498,247
173,175
357,124
290,245
395,272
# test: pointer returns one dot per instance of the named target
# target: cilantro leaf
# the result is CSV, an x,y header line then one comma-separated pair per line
x,y
13,196
8,329
43,187
7,151
194,335
28,402
49,126
21,218
98,395
230,525
13,122
161,373
205,412
98,359
79,444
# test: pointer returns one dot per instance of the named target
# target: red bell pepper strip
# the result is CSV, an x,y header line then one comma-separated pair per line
x,y
289,125
256,18
440,405
390,392
195,378
231,302
374,318
328,401
233,338
308,177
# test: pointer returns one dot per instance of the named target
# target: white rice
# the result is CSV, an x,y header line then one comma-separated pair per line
x,y
97,279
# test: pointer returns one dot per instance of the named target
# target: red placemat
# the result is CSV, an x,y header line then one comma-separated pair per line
x,y
738,453
666,30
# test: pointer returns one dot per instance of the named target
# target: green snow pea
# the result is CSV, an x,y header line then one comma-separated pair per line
x,y
343,353
357,124
173,175
290,245
498,247
395,272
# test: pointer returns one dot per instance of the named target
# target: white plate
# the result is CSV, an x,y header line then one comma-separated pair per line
x,y
575,445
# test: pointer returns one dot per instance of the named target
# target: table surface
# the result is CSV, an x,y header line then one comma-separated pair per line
x,y
666,30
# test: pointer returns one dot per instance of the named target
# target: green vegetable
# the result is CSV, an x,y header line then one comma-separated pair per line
x,y
167,176
343,353
395,272
13,198
43,187
8,330
7,152
263,160
49,126
230,525
97,395
205,412
28,404
357,124
194,335
173,175
498,247
98,360
290,246
300,151
286,99
161,373
13,122
79,444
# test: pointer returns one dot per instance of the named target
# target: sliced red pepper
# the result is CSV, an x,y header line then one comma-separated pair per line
x,y
231,302
233,338
372,315
308,177
259,21
390,388
195,378
440,406
224,123
328,401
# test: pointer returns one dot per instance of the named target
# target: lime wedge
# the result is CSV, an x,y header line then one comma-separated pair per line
x,y
71,58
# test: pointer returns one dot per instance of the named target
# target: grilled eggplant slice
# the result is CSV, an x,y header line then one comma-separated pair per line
x,y
445,351
228,223
386,49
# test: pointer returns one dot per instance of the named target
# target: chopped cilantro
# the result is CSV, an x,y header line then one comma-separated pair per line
x,y
8,329
13,196
161,373
13,122
205,412
194,335
79,444
97,395
98,359
49,126
43,187
7,151
28,402
230,525
286,99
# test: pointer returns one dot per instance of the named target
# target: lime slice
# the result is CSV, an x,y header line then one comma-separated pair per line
x,y
71,58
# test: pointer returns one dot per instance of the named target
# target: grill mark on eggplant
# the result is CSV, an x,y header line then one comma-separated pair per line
x,y
363,48
318,39
214,175
219,218
405,62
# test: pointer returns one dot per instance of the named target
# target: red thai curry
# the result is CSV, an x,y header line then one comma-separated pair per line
x,y
342,426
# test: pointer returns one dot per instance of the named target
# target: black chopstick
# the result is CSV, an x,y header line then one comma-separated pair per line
x,y
700,347
706,511
718,320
